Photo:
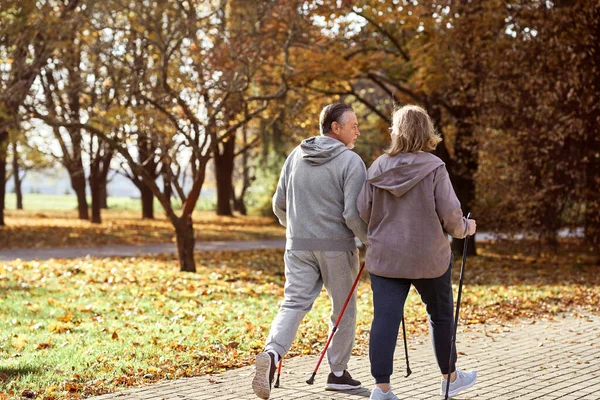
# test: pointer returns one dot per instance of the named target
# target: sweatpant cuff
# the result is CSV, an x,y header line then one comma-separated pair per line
x,y
277,348
338,367
443,371
382,379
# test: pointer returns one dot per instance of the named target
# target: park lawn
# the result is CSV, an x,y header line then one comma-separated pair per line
x,y
75,328
62,228
68,202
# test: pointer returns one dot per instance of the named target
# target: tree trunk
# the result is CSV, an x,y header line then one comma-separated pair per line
x,y
146,150
465,191
147,201
184,230
99,167
96,201
224,176
103,196
592,207
78,185
3,146
95,188
592,183
17,176
592,167
167,188
238,202
462,174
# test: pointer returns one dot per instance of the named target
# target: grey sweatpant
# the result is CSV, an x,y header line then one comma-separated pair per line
x,y
306,272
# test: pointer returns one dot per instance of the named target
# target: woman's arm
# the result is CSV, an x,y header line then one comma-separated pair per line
x,y
447,205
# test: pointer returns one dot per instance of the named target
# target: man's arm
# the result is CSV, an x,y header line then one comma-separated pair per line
x,y
279,198
365,202
355,179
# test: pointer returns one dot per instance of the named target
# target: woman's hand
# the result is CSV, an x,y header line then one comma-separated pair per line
x,y
471,227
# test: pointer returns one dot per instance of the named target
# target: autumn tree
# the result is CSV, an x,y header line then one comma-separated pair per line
x,y
24,156
83,82
16,168
144,134
383,56
66,104
192,74
260,33
30,32
543,106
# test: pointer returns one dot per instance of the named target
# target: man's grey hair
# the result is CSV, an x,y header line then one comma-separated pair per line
x,y
336,112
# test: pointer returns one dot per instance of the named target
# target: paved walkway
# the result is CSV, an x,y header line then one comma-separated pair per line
x,y
132,250
162,248
546,360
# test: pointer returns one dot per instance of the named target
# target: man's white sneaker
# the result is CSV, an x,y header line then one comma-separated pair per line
x,y
464,380
378,394
265,371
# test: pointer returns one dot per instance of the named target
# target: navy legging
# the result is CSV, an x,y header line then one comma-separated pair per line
x,y
389,295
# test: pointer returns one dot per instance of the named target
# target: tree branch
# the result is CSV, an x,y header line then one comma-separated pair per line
x,y
121,150
385,33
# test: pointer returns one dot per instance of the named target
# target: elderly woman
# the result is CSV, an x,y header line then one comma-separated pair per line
x,y
409,205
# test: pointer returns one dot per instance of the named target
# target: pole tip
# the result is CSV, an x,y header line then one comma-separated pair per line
x,y
311,380
276,382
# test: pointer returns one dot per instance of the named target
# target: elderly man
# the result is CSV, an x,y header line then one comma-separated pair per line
x,y
316,201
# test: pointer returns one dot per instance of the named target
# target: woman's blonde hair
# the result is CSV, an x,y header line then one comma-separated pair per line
x,y
412,130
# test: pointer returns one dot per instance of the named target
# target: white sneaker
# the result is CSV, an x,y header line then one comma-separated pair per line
x,y
378,394
464,380
265,371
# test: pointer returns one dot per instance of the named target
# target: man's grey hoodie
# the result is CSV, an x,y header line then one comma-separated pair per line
x,y
408,202
316,196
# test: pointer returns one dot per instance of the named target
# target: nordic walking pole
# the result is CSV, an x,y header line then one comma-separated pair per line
x,y
278,373
311,380
460,284
408,371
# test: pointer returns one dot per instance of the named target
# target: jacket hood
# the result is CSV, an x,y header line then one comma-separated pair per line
x,y
319,150
400,173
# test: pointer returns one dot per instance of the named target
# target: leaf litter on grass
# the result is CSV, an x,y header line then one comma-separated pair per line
x,y
63,229
75,328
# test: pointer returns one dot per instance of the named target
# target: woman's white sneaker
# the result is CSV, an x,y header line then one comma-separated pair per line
x,y
378,394
463,381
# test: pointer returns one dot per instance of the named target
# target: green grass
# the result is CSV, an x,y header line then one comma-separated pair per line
x,y
35,201
66,324
74,328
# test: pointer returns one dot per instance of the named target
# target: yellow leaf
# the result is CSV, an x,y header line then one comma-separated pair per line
x,y
19,342
60,327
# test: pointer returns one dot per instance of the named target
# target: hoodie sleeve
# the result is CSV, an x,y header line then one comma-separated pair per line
x,y
355,179
365,202
279,198
447,205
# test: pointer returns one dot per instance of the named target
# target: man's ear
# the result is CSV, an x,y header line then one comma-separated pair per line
x,y
335,126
